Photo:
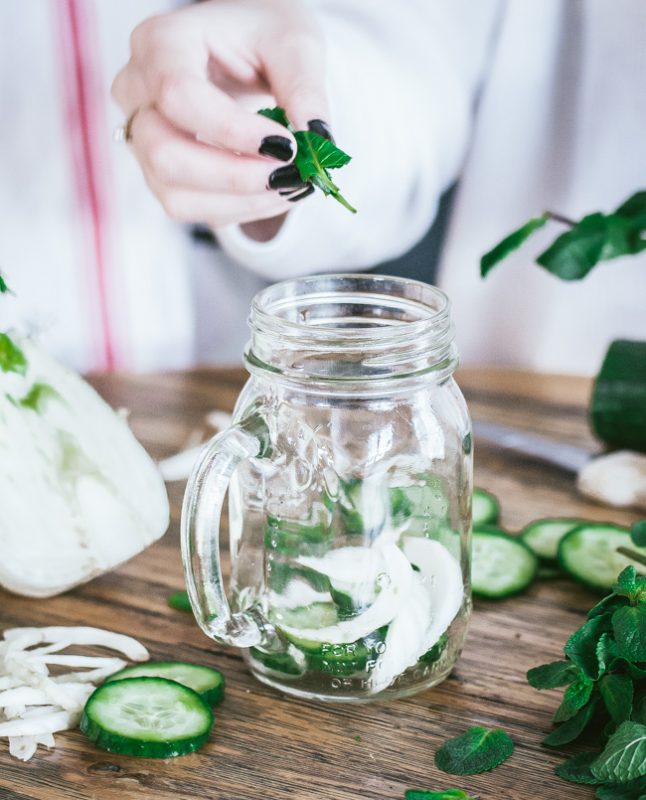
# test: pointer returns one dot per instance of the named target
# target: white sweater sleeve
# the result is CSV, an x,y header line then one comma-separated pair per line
x,y
402,79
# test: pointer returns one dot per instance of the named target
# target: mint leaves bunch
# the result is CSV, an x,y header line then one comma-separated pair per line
x,y
595,238
604,675
315,156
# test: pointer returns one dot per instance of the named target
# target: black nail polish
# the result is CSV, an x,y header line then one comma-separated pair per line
x,y
320,127
279,147
300,196
286,178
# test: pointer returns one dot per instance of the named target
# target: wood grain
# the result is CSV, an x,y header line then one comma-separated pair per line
x,y
265,745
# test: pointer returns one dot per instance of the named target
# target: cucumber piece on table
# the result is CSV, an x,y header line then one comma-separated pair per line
x,y
207,682
502,565
485,508
148,717
619,396
543,536
589,554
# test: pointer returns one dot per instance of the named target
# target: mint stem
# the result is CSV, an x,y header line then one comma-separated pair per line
x,y
560,218
632,554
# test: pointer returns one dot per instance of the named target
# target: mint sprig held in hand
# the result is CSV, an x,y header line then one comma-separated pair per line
x,y
476,750
596,237
315,156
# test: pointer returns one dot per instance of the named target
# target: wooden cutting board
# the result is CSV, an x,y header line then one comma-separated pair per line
x,y
269,747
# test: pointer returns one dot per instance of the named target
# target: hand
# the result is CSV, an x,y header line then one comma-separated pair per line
x,y
206,157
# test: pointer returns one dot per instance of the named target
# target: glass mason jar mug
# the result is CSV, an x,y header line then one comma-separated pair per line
x,y
349,472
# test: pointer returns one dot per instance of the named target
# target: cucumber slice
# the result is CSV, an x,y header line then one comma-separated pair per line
x,y
352,574
284,663
363,505
207,682
316,615
502,565
343,659
589,554
291,537
619,396
485,508
148,717
543,536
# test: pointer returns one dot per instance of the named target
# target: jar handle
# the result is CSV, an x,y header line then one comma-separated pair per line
x,y
200,534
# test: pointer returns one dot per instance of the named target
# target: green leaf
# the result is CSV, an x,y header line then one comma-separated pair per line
x,y
37,397
629,627
606,651
633,790
553,675
12,358
581,647
179,601
447,794
277,114
631,585
606,606
577,769
617,694
476,750
4,289
575,697
315,156
638,533
597,237
639,710
634,209
510,243
624,757
573,728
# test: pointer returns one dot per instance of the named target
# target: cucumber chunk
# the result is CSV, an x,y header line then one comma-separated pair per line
x,y
589,554
619,396
543,536
278,662
207,682
147,717
502,564
485,508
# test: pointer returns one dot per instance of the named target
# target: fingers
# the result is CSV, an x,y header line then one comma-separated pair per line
x,y
172,159
217,210
296,73
174,69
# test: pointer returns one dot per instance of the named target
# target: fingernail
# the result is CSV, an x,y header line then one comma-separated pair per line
x,y
286,178
279,147
320,127
300,196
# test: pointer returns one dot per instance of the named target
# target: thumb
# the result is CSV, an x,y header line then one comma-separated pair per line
x,y
295,72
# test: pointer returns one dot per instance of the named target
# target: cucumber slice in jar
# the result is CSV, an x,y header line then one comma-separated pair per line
x,y
207,682
148,717
485,508
502,565
589,554
284,662
543,536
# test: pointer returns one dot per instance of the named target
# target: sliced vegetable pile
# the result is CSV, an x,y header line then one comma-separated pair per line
x,y
604,675
592,553
34,704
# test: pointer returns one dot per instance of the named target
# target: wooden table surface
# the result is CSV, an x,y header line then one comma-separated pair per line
x,y
269,747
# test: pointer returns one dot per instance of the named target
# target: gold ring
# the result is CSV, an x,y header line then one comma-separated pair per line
x,y
123,133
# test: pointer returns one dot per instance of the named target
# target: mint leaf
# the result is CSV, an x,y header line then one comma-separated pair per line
x,y
476,750
624,757
510,243
315,155
633,790
617,695
180,602
553,675
577,769
4,289
37,397
638,533
630,585
12,358
595,238
278,115
629,628
573,728
634,209
447,794
581,647
639,710
576,696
